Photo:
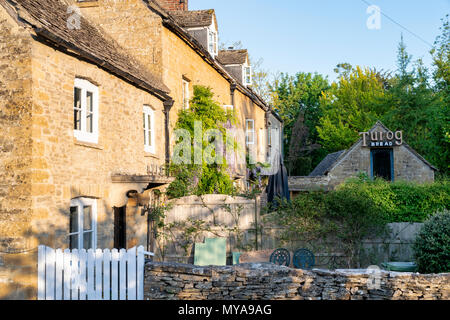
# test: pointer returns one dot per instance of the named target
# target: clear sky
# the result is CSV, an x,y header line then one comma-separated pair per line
x,y
315,35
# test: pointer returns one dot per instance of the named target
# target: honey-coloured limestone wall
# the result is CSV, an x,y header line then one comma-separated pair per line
x,y
43,166
266,281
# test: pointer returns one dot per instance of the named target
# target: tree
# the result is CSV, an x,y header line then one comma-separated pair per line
x,y
296,99
420,108
352,105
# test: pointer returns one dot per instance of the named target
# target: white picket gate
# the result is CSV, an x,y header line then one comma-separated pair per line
x,y
90,274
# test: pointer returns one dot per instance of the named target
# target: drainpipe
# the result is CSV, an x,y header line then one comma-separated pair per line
x,y
232,89
168,104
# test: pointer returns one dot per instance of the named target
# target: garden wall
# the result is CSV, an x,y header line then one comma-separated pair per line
x,y
222,216
234,219
268,281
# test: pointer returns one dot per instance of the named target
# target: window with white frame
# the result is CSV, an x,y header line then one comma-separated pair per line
x,y
261,139
250,131
228,108
247,75
85,111
186,96
149,129
212,42
83,223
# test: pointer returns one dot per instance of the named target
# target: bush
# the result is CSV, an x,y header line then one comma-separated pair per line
x,y
356,218
432,245
404,201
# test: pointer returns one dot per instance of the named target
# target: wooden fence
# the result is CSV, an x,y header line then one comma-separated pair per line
x,y
90,274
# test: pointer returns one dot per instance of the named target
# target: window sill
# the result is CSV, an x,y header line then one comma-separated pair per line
x,y
87,144
150,155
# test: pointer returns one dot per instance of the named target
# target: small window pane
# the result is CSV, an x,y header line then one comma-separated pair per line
x,y
87,240
90,101
73,219
87,218
90,112
73,239
77,109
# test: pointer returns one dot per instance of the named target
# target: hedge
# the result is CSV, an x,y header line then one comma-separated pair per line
x,y
404,201
396,201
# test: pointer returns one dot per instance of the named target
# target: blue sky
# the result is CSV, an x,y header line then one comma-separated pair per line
x,y
315,35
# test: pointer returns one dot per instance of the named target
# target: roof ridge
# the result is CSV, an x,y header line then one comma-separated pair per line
x,y
48,20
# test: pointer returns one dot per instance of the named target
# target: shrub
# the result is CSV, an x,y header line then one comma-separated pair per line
x,y
404,201
205,177
356,218
301,219
432,245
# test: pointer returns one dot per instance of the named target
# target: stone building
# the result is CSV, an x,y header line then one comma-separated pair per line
x,y
90,94
378,153
182,47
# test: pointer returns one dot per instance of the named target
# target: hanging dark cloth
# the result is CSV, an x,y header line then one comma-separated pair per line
x,y
278,187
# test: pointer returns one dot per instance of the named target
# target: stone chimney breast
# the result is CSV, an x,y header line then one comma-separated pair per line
x,y
174,5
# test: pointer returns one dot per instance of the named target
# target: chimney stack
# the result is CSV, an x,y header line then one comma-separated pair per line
x,y
174,5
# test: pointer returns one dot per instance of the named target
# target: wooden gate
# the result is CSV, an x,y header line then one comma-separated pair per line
x,y
90,274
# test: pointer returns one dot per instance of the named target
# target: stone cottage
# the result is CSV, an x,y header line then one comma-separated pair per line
x,y
379,152
89,98
182,47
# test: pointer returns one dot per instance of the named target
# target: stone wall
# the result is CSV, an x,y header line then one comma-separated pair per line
x,y
173,59
221,216
270,282
15,159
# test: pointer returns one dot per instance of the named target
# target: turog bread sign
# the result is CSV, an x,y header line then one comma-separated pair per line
x,y
381,139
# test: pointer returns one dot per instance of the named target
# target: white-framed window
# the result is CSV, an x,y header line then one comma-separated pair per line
x,y
228,108
85,111
261,143
247,74
212,42
149,129
83,223
249,131
186,94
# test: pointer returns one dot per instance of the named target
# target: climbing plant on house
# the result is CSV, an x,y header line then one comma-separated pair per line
x,y
192,176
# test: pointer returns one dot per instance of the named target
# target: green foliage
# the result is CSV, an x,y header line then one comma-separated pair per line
x,y
294,96
356,217
358,209
420,110
352,105
205,178
403,201
414,99
302,218
432,245
344,216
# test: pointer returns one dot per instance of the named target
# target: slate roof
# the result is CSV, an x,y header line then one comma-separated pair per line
x,y
325,165
49,18
172,24
227,57
195,18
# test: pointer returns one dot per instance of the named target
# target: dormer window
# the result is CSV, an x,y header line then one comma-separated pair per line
x,y
212,42
247,75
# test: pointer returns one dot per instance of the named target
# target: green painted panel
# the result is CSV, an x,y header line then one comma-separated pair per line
x,y
212,252
236,256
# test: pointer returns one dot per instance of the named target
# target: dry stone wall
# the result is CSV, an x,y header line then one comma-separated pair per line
x,y
265,281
